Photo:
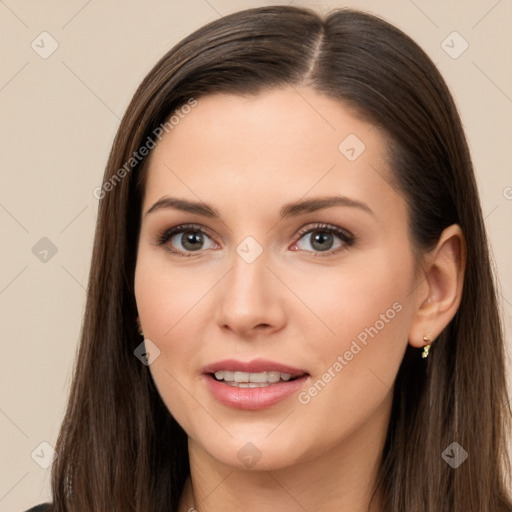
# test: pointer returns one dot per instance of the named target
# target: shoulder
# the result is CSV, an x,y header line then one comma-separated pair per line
x,y
44,507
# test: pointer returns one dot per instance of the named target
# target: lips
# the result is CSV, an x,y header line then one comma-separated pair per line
x,y
257,384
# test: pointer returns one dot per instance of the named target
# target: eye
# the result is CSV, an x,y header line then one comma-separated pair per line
x,y
322,239
187,238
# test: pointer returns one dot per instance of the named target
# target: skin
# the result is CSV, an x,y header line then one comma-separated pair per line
x,y
247,156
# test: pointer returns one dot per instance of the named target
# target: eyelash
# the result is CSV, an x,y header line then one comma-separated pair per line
x,y
345,236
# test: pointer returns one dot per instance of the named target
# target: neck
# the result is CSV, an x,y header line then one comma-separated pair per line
x,y
342,478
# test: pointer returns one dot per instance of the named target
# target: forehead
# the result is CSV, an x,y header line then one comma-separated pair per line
x,y
261,150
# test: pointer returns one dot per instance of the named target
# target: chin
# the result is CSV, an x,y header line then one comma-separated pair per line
x,y
256,452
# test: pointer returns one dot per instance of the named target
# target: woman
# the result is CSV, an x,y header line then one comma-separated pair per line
x,y
229,360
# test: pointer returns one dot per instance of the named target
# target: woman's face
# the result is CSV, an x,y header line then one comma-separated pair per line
x,y
299,266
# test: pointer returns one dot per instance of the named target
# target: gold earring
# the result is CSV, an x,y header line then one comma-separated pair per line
x,y
426,348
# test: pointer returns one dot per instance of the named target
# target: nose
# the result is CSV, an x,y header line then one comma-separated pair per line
x,y
251,299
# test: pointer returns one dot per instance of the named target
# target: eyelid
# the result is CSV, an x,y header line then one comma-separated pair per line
x,y
327,227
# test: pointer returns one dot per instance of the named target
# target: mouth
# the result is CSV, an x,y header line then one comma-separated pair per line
x,y
253,385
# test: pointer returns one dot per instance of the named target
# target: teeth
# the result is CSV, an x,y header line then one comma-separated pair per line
x,y
273,376
241,377
251,379
258,377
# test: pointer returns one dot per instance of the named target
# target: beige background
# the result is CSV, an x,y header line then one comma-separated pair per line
x,y
58,116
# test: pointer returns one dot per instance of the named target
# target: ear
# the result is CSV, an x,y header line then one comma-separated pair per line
x,y
440,294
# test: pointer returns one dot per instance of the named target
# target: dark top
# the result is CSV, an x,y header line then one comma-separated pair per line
x,y
44,507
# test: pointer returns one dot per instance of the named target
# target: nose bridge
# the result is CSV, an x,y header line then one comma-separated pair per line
x,y
248,296
248,279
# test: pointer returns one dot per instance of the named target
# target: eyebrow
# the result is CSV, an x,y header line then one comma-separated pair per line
x,y
288,210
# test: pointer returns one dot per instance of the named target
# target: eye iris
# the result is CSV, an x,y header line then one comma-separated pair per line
x,y
321,237
194,238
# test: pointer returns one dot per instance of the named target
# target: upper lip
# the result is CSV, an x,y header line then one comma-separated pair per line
x,y
254,366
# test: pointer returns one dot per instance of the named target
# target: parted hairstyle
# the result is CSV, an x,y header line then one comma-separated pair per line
x,y
119,449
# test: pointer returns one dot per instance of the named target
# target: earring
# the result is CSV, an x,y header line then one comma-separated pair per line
x,y
140,329
426,348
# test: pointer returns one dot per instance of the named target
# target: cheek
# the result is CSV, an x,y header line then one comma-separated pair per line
x,y
167,297
364,299
171,304
367,310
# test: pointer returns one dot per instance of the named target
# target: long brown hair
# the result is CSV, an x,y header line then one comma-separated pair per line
x,y
119,449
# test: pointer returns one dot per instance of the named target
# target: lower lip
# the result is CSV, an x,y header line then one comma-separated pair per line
x,y
253,398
